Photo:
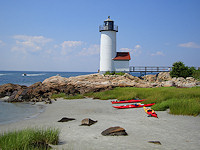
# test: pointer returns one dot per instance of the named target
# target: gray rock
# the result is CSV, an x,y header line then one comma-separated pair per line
x,y
155,142
150,78
168,84
114,131
87,122
190,79
188,85
180,79
65,119
163,76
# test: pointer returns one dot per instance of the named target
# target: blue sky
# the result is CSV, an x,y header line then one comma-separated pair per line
x,y
63,35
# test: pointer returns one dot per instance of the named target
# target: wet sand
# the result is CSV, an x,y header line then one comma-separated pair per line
x,y
174,132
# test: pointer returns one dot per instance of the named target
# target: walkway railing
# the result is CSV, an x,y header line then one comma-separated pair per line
x,y
150,69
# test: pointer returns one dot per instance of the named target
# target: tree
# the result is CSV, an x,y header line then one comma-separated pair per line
x,y
180,70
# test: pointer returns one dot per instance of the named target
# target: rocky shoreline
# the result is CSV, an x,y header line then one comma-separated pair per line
x,y
42,91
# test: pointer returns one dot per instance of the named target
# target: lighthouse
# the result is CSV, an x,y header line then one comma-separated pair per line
x,y
108,45
110,60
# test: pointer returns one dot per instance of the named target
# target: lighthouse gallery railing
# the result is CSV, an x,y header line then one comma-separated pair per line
x,y
106,28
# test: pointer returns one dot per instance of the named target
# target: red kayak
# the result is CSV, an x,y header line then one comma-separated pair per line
x,y
127,101
133,106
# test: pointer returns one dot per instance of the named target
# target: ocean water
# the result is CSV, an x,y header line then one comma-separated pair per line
x,y
12,112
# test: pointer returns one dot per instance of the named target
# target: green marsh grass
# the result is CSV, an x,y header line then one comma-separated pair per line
x,y
29,139
180,101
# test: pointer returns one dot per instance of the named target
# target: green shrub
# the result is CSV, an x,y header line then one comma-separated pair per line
x,y
114,73
109,73
196,74
120,73
180,70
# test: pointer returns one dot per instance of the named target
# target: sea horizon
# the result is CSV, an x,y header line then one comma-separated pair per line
x,y
31,77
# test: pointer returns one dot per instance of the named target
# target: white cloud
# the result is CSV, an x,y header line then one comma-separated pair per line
x,y
71,44
91,50
158,53
189,45
68,46
35,39
134,51
27,44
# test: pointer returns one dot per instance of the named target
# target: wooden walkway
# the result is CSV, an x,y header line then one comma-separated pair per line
x,y
149,69
143,70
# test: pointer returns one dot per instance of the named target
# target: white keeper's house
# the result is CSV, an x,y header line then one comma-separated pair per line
x,y
110,60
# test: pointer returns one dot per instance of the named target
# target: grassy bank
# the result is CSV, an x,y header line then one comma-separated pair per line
x,y
180,101
29,139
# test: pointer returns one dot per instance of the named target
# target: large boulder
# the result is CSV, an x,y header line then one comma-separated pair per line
x,y
168,83
190,79
114,131
163,76
26,94
87,122
198,83
143,85
185,83
8,89
149,78
55,81
132,78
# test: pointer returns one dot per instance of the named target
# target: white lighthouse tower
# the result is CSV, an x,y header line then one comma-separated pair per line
x,y
108,45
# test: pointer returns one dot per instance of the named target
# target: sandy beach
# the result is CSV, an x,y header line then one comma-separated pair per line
x,y
174,132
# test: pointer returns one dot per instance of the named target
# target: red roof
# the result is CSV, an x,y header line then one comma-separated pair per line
x,y
122,56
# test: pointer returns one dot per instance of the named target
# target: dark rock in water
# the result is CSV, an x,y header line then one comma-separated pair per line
x,y
155,142
65,119
87,122
114,131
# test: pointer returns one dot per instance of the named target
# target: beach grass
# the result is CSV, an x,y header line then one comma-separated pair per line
x,y
180,101
29,139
